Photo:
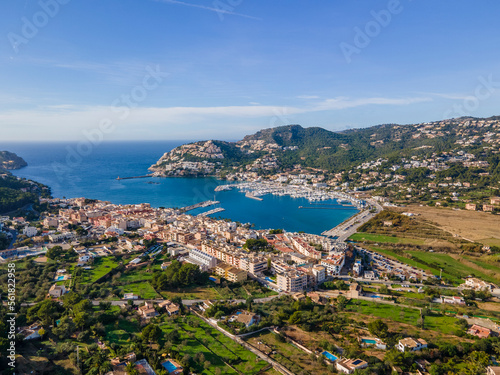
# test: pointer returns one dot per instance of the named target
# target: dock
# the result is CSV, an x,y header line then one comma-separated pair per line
x,y
198,205
249,195
132,177
214,211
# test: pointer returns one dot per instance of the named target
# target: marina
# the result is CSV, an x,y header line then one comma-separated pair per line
x,y
314,195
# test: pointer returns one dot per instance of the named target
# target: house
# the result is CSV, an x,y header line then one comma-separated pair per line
x,y
470,207
31,332
409,344
147,311
355,290
372,341
206,304
477,284
481,332
348,366
57,291
488,208
172,308
451,300
247,318
30,231
492,370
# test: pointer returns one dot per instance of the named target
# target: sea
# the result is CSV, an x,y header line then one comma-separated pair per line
x,y
85,170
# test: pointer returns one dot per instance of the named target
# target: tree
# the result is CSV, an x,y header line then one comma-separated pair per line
x,y
98,363
151,333
131,369
341,302
378,328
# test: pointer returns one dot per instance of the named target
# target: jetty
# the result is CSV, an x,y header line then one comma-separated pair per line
x,y
214,211
249,195
132,177
198,205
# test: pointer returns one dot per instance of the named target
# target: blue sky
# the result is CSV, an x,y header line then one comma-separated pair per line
x,y
230,67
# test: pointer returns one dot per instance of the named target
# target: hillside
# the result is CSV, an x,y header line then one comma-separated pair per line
x,y
10,161
285,147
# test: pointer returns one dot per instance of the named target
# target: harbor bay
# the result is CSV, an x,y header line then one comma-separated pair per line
x,y
95,176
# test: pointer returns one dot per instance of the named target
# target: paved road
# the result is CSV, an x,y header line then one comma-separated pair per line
x,y
349,227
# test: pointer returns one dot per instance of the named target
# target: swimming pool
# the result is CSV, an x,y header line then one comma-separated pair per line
x,y
59,278
269,279
169,366
368,341
212,279
330,356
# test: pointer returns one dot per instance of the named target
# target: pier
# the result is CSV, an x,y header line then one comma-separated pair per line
x,y
214,211
198,205
249,195
132,177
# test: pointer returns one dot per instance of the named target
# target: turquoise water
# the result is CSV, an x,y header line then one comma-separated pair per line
x,y
368,341
330,356
59,278
270,280
169,366
94,176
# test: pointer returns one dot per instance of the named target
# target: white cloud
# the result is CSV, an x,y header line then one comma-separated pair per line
x,y
68,121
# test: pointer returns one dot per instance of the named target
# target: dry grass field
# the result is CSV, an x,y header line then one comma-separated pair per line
x,y
471,225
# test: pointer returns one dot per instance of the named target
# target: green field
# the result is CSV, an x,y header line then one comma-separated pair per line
x,y
287,354
436,321
362,236
199,337
142,289
100,267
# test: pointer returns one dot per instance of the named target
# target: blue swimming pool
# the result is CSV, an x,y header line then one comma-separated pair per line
x,y
329,356
212,279
270,280
169,366
59,278
369,341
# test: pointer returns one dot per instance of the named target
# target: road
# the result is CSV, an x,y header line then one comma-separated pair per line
x,y
346,229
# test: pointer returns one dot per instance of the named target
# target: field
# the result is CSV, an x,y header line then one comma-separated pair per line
x,y
221,351
100,267
361,236
470,225
287,354
442,324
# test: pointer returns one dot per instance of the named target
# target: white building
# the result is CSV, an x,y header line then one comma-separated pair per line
x,y
30,231
409,344
205,261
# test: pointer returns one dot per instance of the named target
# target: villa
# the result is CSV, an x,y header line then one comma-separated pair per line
x,y
409,344
348,366
372,341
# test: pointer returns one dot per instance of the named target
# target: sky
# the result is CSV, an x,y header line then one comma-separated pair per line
x,y
221,69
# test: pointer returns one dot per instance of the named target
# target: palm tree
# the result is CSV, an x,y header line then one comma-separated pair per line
x,y
130,369
98,363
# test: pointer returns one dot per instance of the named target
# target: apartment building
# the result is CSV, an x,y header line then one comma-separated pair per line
x,y
292,281
230,273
